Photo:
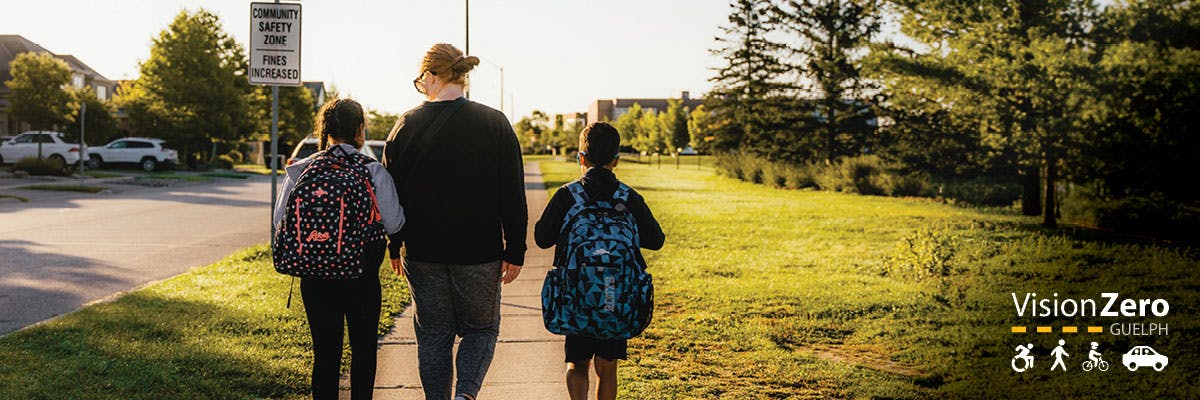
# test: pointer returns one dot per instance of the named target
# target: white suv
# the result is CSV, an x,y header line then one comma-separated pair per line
x,y
53,146
147,152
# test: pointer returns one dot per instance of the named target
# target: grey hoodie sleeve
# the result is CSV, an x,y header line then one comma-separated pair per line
x,y
280,207
385,195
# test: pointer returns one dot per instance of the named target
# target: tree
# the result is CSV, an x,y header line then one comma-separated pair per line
x,y
39,95
627,125
675,125
649,137
100,124
533,133
831,36
700,123
1020,68
296,115
747,84
193,90
1143,125
380,124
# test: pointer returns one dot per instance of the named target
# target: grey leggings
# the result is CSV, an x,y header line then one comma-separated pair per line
x,y
454,300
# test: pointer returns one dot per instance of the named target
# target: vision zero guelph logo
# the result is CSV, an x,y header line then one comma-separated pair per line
x,y
1112,306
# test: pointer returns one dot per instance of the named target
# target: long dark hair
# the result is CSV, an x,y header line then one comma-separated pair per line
x,y
339,119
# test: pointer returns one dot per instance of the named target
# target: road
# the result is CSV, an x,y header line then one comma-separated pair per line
x,y
60,252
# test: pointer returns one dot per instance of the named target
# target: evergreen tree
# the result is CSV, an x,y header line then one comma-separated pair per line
x,y
747,84
831,36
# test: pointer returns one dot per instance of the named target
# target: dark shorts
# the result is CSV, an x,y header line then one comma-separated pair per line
x,y
581,348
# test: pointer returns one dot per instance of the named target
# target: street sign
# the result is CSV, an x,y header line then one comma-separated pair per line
x,y
275,44
275,61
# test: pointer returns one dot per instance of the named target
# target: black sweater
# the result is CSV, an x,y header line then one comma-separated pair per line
x,y
464,199
598,183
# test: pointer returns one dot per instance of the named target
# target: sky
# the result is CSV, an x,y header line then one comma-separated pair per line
x,y
558,56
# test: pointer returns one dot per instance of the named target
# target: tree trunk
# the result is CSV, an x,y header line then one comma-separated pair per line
x,y
1031,202
1049,220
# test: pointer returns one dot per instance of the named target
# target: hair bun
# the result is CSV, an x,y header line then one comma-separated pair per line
x,y
465,64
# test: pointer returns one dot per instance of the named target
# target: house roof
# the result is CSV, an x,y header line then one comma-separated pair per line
x,y
10,47
13,45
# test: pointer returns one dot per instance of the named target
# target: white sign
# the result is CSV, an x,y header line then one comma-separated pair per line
x,y
275,44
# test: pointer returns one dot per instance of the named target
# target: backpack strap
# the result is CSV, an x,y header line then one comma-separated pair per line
x,y
622,193
421,140
577,192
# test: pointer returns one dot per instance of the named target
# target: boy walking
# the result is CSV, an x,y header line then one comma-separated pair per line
x,y
598,149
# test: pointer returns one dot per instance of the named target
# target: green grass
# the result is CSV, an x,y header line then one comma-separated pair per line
x,y
229,175
64,188
174,176
103,174
257,169
773,294
18,198
216,332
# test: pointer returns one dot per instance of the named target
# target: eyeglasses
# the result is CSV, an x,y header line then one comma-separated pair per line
x,y
421,86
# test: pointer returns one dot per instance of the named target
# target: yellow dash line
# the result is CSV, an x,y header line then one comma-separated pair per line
x,y
1095,329
1045,329
1018,329
1070,329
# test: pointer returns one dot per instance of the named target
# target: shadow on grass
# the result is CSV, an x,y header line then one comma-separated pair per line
x,y
150,346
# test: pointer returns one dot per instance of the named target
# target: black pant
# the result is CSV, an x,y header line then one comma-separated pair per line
x,y
327,302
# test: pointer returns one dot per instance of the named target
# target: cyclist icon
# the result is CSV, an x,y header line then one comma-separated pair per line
x,y
1094,360
1023,356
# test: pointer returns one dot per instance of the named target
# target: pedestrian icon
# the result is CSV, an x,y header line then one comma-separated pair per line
x,y
1058,354
1094,360
1023,360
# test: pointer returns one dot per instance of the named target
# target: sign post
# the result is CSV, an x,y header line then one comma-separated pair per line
x,y
83,154
274,61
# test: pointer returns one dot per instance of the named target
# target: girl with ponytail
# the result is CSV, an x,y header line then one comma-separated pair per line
x,y
355,300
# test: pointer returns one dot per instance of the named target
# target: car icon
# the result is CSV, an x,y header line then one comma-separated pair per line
x,y
1143,356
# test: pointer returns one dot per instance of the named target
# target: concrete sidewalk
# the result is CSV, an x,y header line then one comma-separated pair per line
x,y
529,360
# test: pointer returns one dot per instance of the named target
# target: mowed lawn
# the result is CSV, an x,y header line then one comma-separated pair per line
x,y
221,331
773,294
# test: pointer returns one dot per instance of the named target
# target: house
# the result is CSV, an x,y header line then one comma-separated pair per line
x,y
317,89
611,109
81,76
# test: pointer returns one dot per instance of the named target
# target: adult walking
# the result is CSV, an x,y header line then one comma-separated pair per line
x,y
460,178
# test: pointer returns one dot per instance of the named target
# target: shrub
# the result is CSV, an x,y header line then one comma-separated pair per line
x,y
799,177
1154,214
44,166
982,192
222,161
862,175
236,156
774,174
908,185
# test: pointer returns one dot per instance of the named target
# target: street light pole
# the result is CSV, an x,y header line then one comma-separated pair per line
x,y
501,68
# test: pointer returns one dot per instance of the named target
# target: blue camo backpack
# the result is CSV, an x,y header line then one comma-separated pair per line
x,y
602,290
331,215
